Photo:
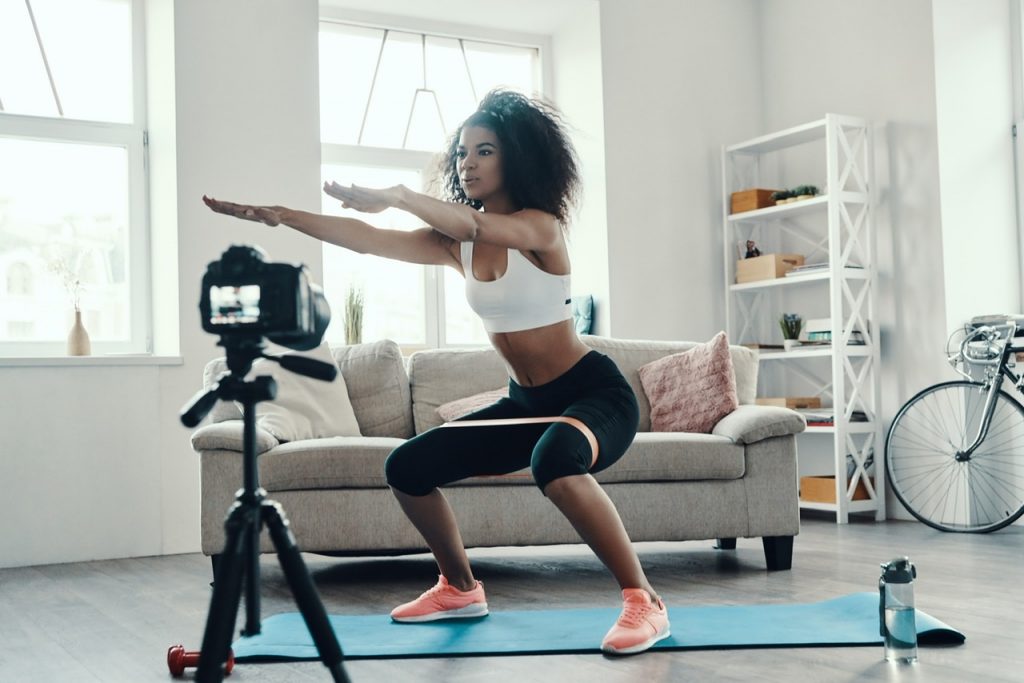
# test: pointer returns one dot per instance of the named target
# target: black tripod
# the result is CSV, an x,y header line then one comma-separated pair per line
x,y
250,511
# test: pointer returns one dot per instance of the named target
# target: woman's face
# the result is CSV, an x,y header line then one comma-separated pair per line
x,y
478,163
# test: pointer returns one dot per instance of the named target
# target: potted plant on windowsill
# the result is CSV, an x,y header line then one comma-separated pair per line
x,y
354,316
78,338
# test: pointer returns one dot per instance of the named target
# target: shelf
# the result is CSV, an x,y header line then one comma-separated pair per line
x,y
851,428
797,135
819,276
804,206
867,505
856,350
781,210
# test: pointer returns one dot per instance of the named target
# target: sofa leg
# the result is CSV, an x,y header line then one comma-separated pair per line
x,y
778,552
726,544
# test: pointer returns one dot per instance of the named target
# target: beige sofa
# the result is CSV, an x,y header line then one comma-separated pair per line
x,y
739,481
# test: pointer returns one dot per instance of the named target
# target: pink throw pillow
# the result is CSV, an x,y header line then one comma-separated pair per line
x,y
691,391
464,406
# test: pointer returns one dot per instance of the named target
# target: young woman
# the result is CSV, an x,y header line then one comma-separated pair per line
x,y
510,177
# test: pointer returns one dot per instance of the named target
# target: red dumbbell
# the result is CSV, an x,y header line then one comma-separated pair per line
x,y
178,659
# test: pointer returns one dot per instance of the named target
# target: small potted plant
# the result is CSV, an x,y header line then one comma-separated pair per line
x,y
804,191
791,324
782,196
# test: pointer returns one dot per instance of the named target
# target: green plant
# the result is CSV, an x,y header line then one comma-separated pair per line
x,y
790,324
354,316
801,190
782,194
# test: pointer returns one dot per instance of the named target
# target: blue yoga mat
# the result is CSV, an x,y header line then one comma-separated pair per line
x,y
847,620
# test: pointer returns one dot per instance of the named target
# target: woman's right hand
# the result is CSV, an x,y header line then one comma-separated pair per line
x,y
268,215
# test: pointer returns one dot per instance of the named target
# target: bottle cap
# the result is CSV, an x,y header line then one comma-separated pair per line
x,y
899,570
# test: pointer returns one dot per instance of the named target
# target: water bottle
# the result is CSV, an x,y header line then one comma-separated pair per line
x,y
896,610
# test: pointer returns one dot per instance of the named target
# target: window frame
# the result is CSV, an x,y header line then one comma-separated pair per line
x,y
338,153
133,137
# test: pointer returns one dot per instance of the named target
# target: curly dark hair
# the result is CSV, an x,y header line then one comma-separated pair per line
x,y
539,162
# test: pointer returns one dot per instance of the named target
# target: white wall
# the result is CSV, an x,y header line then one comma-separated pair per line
x,y
680,80
578,90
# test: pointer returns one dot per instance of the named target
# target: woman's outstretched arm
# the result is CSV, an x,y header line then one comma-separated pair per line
x,y
527,229
424,245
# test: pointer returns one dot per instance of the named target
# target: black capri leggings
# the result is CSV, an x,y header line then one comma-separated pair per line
x,y
592,391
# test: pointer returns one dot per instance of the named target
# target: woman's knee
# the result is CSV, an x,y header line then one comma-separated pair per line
x,y
563,451
403,471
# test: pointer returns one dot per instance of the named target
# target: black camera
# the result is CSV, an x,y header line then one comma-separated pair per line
x,y
244,297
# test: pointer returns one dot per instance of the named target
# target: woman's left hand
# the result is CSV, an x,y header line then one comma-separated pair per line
x,y
364,199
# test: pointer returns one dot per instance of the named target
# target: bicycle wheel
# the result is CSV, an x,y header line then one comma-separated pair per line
x,y
977,494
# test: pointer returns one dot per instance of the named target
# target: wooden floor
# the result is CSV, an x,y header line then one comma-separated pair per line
x,y
113,621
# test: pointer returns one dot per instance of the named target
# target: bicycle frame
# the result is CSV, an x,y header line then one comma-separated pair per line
x,y
993,381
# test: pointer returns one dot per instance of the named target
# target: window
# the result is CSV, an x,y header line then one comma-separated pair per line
x,y
72,177
384,115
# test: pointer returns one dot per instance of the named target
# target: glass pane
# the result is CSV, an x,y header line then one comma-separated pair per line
x,y
401,73
409,108
448,77
89,47
24,87
502,65
393,292
51,239
348,57
462,325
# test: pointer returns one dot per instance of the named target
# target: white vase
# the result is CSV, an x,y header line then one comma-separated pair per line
x,y
78,338
790,344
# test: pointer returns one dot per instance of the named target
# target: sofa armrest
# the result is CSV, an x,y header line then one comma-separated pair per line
x,y
752,423
227,436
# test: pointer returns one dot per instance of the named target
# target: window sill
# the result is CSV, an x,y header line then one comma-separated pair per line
x,y
90,361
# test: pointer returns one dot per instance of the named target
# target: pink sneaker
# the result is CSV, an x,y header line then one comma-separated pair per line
x,y
443,601
641,624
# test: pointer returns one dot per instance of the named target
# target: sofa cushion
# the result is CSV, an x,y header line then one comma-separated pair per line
x,y
438,376
378,387
377,384
305,407
631,354
358,462
692,390
464,406
337,462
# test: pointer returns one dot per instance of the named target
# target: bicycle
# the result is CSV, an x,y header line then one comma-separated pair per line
x,y
954,454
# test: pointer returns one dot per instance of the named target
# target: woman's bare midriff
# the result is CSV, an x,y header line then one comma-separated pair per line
x,y
537,356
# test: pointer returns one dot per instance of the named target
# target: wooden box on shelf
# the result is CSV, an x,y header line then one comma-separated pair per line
x,y
823,490
790,401
749,200
766,267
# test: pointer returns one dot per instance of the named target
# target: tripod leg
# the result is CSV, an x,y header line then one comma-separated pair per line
x,y
306,597
227,592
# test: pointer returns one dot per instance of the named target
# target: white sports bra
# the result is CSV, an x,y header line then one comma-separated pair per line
x,y
523,298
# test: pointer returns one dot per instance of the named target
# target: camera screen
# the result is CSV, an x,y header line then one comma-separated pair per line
x,y
234,305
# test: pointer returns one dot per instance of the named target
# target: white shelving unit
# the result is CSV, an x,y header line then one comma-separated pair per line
x,y
834,228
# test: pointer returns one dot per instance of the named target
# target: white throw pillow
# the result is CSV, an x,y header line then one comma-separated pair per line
x,y
305,408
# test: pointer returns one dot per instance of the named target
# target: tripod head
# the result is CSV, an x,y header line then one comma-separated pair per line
x,y
241,352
